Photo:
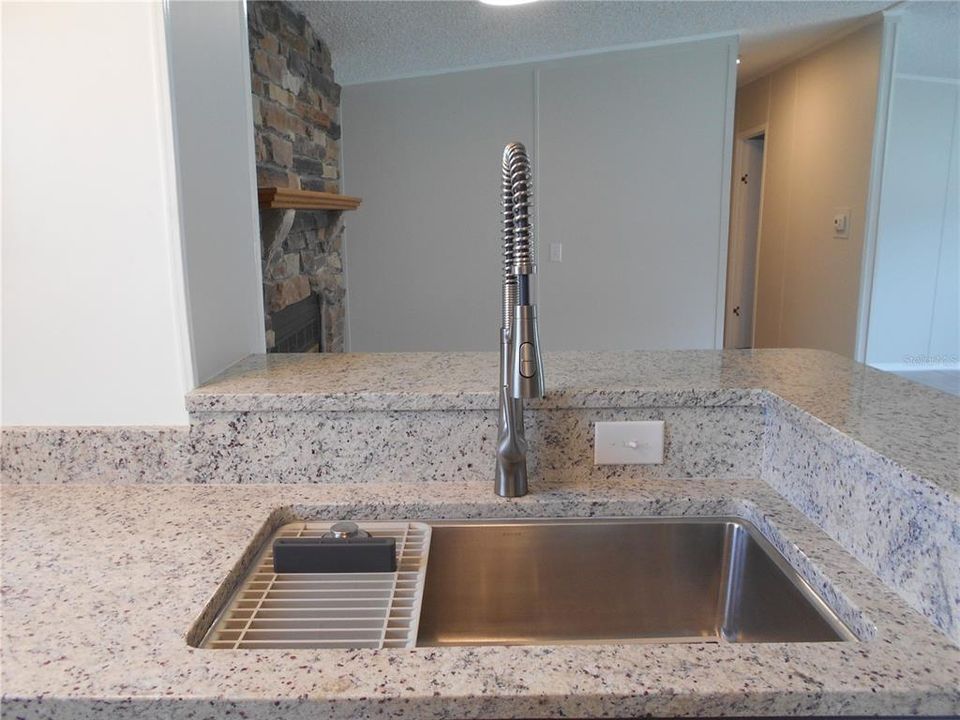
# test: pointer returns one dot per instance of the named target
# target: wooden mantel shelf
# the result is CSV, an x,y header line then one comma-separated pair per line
x,y
278,198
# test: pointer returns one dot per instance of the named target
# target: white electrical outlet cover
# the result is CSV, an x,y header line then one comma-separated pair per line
x,y
636,442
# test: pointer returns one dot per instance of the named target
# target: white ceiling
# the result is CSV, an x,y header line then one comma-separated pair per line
x,y
374,40
928,42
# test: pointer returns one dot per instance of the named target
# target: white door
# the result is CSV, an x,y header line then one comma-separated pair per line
x,y
746,200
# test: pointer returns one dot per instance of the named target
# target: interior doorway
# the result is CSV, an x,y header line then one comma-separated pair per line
x,y
745,211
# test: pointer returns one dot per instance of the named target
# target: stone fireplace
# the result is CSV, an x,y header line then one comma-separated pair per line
x,y
297,135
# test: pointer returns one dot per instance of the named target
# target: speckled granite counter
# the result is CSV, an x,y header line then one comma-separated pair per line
x,y
872,459
911,424
100,585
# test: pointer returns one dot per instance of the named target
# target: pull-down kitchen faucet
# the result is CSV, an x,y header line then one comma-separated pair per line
x,y
521,369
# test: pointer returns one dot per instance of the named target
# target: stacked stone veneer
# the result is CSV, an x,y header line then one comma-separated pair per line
x,y
295,114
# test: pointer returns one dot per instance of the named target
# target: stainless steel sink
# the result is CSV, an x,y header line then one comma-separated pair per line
x,y
622,580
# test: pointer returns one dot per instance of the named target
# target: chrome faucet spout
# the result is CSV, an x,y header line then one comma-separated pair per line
x,y
521,367
511,470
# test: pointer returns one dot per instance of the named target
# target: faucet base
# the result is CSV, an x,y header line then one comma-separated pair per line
x,y
510,479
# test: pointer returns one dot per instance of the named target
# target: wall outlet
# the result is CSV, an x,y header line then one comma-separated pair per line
x,y
638,442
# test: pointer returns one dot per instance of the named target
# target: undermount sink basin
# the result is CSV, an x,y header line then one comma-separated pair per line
x,y
649,580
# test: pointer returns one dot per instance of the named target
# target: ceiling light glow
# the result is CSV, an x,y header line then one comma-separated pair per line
x,y
503,3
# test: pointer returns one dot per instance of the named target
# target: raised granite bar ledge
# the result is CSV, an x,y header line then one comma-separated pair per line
x,y
914,426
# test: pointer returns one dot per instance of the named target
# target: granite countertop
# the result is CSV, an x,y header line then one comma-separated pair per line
x,y
909,424
101,584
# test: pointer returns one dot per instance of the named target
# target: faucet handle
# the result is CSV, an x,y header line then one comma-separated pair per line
x,y
526,365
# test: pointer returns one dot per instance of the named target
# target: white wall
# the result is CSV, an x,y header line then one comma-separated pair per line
x,y
93,320
631,162
118,295
914,317
213,124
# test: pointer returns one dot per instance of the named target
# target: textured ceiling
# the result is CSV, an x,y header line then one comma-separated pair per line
x,y
928,42
382,40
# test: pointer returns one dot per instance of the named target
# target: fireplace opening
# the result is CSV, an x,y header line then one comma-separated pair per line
x,y
299,327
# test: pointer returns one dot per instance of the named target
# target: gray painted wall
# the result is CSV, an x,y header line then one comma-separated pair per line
x,y
213,125
631,153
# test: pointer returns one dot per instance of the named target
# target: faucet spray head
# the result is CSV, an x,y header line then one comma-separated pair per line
x,y
526,365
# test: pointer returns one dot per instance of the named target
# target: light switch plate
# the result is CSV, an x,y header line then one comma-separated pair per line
x,y
841,222
635,442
